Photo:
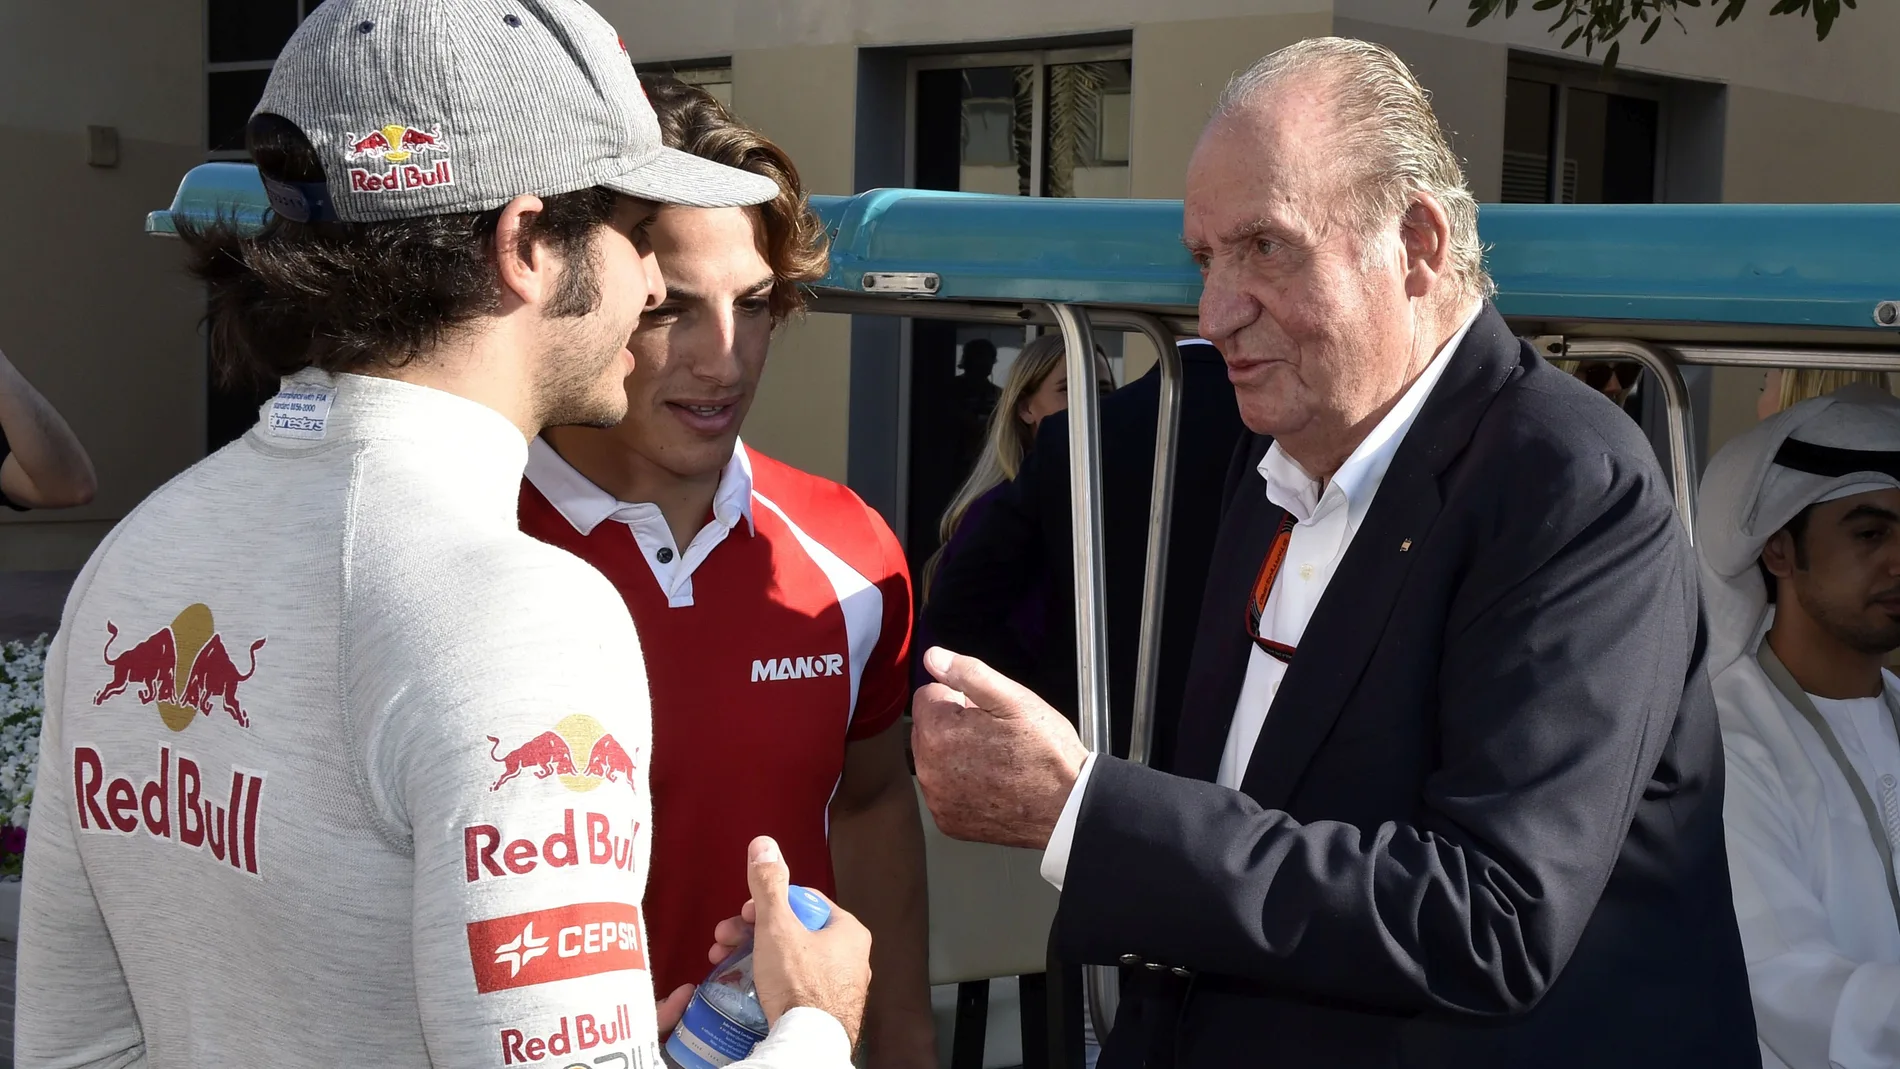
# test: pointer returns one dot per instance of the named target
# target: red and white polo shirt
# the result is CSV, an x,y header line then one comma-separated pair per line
x,y
777,636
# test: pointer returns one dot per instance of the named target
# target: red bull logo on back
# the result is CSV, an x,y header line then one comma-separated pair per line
x,y
552,753
184,669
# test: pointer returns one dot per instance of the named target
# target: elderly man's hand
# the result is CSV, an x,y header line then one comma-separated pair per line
x,y
995,761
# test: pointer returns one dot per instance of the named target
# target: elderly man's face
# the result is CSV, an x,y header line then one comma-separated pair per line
x,y
1313,319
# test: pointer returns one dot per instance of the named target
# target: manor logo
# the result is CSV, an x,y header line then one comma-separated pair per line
x,y
824,664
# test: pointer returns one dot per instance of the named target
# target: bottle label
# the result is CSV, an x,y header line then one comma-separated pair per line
x,y
709,1039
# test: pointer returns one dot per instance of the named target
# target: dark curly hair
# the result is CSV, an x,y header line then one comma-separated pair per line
x,y
348,296
691,120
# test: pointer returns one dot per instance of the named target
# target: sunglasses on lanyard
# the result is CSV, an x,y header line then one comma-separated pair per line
x,y
1263,585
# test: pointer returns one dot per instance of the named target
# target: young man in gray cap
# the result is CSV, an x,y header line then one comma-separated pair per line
x,y
357,774
1800,542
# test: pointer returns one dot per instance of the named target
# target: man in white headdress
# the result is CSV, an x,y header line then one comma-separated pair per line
x,y
1800,541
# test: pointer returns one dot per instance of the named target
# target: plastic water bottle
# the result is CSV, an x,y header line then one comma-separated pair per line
x,y
724,1021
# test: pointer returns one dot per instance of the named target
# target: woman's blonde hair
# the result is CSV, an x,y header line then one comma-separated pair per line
x,y
1005,442
1801,384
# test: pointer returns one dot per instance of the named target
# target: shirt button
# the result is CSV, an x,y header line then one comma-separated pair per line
x,y
1306,571
1886,781
665,555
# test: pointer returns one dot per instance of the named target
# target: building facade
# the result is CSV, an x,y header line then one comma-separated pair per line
x,y
104,105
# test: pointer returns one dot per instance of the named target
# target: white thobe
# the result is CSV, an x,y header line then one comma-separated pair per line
x,y
1817,921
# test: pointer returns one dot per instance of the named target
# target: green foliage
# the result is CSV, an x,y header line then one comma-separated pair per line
x,y
1599,23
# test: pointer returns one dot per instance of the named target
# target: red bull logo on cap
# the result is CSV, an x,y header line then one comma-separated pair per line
x,y
551,754
397,144
184,669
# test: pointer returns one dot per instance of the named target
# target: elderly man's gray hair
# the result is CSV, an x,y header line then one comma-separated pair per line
x,y
1390,139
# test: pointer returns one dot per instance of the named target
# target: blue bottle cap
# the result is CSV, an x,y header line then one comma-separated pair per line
x,y
809,906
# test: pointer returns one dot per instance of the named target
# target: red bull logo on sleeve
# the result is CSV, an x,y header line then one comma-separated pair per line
x,y
552,754
401,147
184,669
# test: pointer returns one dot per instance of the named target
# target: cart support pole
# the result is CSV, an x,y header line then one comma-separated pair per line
x,y
1091,632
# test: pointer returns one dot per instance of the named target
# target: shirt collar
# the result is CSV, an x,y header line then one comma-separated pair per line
x,y
1291,488
470,444
587,506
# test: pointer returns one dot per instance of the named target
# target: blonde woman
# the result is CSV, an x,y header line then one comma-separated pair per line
x,y
1786,387
1037,387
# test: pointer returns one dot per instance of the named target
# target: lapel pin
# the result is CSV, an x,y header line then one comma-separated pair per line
x,y
1405,546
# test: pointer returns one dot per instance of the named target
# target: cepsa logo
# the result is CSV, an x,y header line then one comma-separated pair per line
x,y
183,668
572,1039
551,753
396,144
555,944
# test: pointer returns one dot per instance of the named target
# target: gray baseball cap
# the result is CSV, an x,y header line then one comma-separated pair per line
x,y
423,107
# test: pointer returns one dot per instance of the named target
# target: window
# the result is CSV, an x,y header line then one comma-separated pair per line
x,y
1606,135
1032,124
242,39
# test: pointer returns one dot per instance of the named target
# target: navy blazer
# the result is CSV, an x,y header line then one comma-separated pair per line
x,y
1482,825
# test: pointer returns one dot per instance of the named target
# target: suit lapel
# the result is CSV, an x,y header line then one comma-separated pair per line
x,y
1221,646
1351,616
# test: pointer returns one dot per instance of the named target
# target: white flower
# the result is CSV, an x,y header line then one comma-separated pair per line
x,y
22,705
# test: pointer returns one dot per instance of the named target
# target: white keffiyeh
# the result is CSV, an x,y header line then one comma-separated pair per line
x,y
1747,496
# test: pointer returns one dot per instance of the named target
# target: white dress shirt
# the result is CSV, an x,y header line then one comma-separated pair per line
x,y
1817,923
1326,516
587,506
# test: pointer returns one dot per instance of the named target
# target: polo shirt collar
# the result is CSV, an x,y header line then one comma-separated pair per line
x,y
586,506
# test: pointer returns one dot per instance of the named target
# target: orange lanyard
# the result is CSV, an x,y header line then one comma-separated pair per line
x,y
1263,585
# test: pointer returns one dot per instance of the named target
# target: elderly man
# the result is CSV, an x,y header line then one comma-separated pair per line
x,y
1447,790
1800,536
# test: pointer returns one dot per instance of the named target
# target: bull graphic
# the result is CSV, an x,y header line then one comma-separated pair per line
x,y
608,760
214,675
546,753
152,665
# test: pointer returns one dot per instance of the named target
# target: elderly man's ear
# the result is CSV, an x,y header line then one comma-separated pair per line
x,y
1425,231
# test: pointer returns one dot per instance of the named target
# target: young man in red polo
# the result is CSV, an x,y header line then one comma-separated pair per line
x,y
773,605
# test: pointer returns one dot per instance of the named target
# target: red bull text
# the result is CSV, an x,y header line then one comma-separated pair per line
x,y
173,806
582,1032
406,177
484,853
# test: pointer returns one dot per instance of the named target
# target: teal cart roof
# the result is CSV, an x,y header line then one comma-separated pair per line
x,y
1810,268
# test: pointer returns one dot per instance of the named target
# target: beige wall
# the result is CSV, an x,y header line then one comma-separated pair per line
x,y
94,313
1785,148
1179,71
804,98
